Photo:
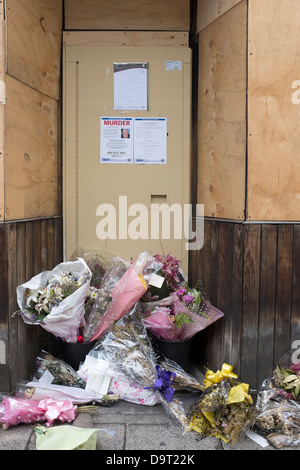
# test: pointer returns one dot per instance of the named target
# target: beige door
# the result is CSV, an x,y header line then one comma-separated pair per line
x,y
90,185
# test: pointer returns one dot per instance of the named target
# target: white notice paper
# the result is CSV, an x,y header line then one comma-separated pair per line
x,y
116,141
150,140
131,86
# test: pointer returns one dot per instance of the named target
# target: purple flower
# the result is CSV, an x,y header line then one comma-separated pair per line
x,y
180,292
188,299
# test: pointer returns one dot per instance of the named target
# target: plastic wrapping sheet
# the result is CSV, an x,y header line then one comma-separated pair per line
x,y
98,263
128,350
279,415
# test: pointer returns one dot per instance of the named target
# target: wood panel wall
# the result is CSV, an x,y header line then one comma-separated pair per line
x,y
169,15
248,96
209,10
27,248
273,115
31,130
251,273
222,115
30,168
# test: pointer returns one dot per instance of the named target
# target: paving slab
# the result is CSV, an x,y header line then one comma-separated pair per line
x,y
166,437
15,437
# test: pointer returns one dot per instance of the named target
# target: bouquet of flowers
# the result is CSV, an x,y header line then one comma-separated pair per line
x,y
117,301
225,409
285,379
171,276
128,350
98,264
173,310
102,298
55,299
56,370
172,320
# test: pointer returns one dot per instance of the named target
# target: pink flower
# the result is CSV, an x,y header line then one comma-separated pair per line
x,y
295,367
188,299
181,292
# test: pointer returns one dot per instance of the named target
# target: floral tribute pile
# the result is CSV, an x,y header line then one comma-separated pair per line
x,y
118,308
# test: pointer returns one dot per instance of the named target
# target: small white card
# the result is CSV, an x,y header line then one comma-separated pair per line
x,y
257,438
173,65
47,377
156,280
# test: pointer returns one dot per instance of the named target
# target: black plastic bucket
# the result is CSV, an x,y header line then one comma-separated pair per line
x,y
178,351
74,353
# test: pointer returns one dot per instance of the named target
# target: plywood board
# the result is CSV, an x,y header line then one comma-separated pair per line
x,y
126,38
209,10
274,109
222,115
143,15
2,107
34,43
31,156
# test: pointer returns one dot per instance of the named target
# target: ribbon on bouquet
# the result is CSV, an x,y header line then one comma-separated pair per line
x,y
162,384
217,377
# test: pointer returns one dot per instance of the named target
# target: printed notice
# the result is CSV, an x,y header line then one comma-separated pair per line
x,y
150,141
116,140
131,86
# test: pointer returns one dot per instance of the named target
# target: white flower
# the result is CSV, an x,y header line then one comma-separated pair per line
x,y
32,297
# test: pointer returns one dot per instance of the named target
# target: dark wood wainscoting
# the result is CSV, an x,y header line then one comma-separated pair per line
x,y
252,273
27,248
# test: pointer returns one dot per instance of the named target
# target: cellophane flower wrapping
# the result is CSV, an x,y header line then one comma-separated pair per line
x,y
183,380
125,389
103,300
278,403
96,261
159,323
14,411
125,293
54,370
285,379
64,318
17,410
128,350
99,264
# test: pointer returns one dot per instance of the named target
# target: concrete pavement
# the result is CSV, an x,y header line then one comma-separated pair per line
x,y
134,428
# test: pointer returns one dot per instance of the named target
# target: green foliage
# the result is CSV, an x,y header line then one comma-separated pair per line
x,y
182,319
